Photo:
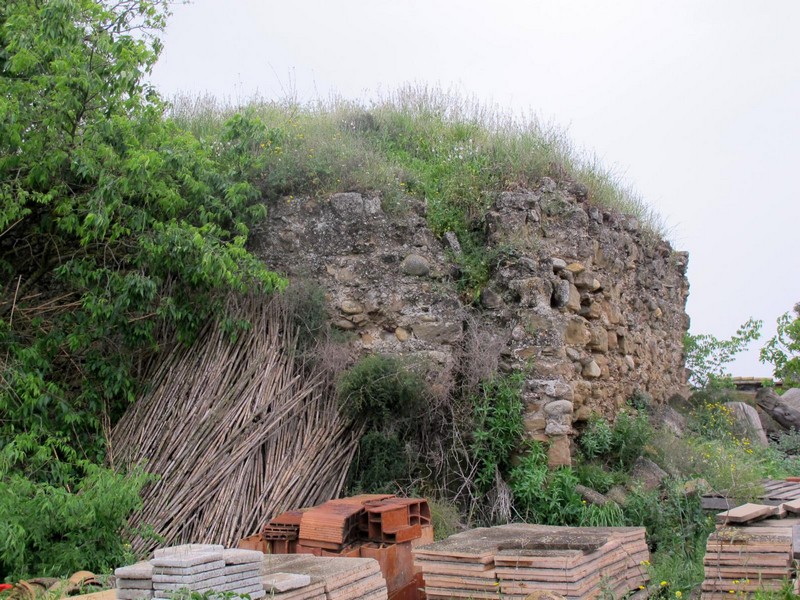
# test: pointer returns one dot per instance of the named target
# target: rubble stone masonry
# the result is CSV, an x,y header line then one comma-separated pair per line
x,y
589,304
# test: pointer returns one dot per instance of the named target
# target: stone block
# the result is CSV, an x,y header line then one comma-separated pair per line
x,y
438,332
557,429
558,408
202,585
577,332
242,568
592,370
574,302
351,307
575,268
558,453
183,561
598,339
612,340
416,265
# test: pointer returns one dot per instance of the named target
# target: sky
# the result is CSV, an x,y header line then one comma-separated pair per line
x,y
694,103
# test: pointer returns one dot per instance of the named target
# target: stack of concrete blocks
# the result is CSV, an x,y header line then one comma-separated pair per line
x,y
243,572
190,567
135,582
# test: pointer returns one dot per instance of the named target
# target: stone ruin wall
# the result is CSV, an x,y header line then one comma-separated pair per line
x,y
589,305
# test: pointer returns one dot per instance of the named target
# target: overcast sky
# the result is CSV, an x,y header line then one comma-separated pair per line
x,y
695,103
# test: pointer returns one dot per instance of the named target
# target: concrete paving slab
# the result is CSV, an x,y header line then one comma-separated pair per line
x,y
139,570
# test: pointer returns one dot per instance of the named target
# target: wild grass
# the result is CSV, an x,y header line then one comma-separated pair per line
x,y
454,153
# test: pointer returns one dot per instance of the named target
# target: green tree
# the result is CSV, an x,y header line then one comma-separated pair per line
x,y
707,356
118,231
783,350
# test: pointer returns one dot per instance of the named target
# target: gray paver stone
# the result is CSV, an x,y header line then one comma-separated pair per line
x,y
134,594
217,564
283,582
206,584
188,549
237,556
139,570
134,584
243,568
188,579
184,561
251,574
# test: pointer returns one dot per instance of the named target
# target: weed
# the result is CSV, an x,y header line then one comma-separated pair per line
x,y
445,518
618,445
498,427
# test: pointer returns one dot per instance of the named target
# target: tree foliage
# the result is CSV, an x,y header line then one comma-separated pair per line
x,y
783,350
707,356
118,231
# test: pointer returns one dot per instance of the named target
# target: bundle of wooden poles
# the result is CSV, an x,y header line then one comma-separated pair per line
x,y
237,429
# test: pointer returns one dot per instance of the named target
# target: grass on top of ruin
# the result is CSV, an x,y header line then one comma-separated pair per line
x,y
453,152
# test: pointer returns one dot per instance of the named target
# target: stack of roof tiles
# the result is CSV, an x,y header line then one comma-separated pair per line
x,y
753,549
328,578
513,561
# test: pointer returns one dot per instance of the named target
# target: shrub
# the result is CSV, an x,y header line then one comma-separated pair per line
x,y
542,495
727,467
445,518
789,442
618,445
498,427
783,350
708,356
381,462
382,393
48,530
594,476
677,529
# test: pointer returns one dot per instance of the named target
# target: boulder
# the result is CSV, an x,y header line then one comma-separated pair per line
x,y
748,423
648,473
779,409
414,264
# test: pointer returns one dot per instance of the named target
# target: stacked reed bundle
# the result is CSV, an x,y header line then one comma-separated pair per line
x,y
236,430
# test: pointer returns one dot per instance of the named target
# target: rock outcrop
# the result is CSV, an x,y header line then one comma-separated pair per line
x,y
587,303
